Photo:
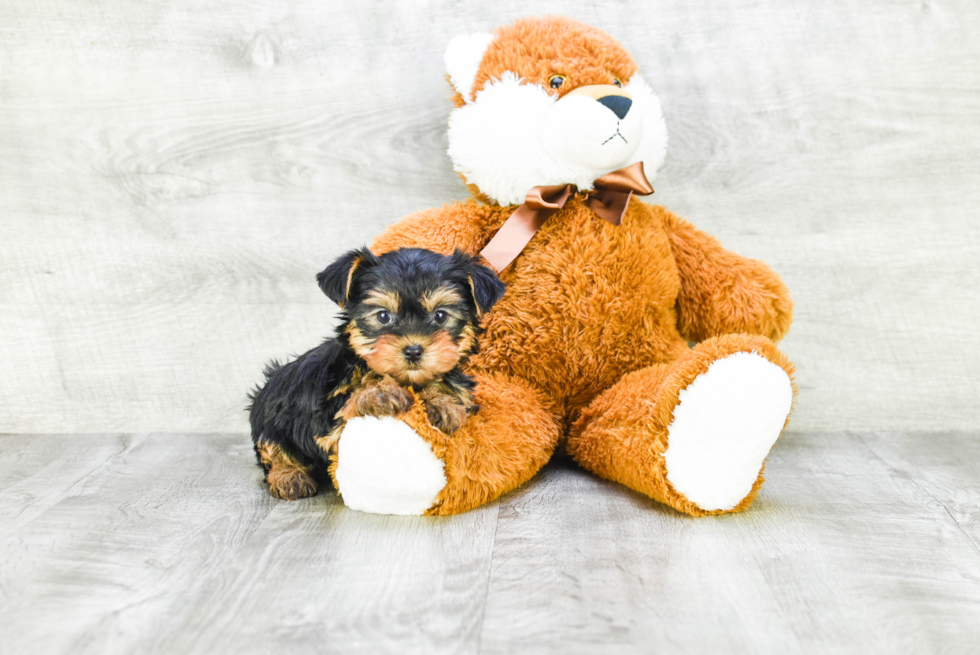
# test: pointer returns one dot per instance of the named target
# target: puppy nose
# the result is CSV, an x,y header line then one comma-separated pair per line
x,y
617,105
413,353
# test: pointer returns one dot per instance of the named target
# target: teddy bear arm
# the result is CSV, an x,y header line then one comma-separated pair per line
x,y
404,465
462,226
722,292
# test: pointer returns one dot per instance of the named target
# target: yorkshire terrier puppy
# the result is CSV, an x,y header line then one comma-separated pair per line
x,y
410,320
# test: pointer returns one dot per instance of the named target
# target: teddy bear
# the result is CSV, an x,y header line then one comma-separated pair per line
x,y
627,339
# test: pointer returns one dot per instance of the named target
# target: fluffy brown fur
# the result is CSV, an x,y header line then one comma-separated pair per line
x,y
590,343
499,448
535,48
627,301
602,439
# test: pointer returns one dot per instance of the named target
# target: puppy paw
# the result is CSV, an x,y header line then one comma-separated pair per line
x,y
291,484
386,400
446,415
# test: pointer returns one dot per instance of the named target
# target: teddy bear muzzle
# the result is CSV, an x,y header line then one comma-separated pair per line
x,y
614,98
593,126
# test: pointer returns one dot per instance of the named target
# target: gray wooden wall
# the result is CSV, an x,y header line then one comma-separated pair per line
x,y
173,173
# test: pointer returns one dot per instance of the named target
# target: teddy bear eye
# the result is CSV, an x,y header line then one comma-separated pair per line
x,y
556,81
617,82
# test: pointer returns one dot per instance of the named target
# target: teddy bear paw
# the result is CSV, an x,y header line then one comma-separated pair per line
x,y
385,467
724,425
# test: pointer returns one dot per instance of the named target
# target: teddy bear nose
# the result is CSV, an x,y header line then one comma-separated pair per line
x,y
413,353
618,105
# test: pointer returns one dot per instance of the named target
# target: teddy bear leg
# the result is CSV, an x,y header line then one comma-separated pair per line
x,y
404,465
693,434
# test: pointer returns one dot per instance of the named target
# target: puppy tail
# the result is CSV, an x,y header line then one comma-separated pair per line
x,y
271,369
268,373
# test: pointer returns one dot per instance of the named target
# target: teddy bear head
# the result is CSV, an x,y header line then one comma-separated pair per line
x,y
548,101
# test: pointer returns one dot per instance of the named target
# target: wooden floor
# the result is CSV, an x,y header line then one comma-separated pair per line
x,y
167,543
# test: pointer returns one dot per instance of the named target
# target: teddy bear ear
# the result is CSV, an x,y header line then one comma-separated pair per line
x,y
463,56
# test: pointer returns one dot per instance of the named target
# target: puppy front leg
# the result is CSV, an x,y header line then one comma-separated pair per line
x,y
446,412
379,396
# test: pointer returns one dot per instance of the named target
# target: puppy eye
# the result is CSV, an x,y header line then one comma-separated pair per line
x,y
440,316
617,82
383,317
555,81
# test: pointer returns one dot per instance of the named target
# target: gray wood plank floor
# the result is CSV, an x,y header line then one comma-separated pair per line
x,y
167,543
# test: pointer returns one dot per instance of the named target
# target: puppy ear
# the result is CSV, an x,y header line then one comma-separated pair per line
x,y
336,280
485,286
463,56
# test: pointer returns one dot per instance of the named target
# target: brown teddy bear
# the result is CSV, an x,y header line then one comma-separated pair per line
x,y
587,352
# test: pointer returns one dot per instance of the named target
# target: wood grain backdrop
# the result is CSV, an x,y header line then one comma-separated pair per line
x,y
173,173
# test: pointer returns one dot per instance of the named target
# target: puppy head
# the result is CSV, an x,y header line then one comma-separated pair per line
x,y
547,101
412,314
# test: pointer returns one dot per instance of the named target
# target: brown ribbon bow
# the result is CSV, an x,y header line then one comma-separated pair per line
x,y
609,199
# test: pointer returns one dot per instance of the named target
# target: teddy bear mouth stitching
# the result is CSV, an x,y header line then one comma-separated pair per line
x,y
615,135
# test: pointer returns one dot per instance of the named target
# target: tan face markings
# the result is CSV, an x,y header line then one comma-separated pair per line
x,y
389,300
467,340
432,300
361,344
385,356
439,357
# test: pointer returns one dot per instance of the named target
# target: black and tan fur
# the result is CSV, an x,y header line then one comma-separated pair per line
x,y
410,322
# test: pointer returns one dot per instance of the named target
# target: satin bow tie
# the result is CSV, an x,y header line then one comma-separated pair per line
x,y
608,199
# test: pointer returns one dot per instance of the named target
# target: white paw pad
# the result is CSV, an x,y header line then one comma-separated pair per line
x,y
725,423
385,467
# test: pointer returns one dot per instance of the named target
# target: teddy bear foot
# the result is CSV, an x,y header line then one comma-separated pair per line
x,y
694,433
724,425
383,466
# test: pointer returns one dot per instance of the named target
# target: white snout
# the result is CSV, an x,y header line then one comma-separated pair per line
x,y
579,131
